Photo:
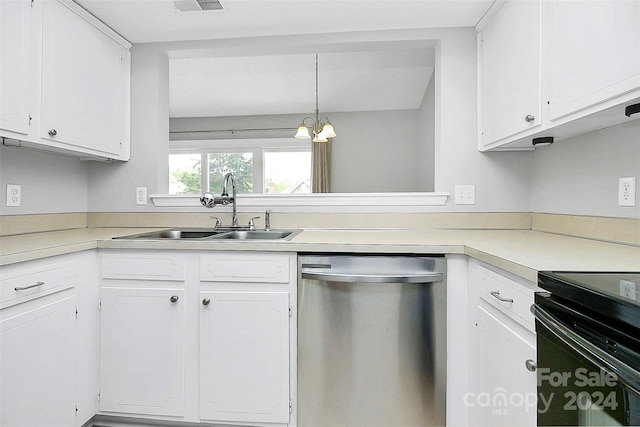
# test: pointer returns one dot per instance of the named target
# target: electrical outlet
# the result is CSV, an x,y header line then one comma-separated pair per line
x,y
141,195
628,289
627,191
465,194
14,195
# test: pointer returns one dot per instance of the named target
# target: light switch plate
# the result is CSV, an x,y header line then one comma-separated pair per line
x,y
14,195
465,194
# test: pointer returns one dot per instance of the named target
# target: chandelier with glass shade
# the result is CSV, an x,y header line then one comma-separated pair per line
x,y
320,126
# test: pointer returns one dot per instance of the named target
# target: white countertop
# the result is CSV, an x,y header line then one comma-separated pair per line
x,y
520,252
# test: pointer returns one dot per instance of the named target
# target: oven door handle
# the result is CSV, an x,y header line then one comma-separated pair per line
x,y
595,355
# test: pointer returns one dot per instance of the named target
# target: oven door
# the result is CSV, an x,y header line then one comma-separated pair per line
x,y
579,382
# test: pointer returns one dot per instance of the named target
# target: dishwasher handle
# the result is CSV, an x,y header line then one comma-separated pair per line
x,y
345,277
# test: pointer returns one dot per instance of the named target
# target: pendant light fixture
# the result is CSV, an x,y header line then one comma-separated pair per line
x,y
321,127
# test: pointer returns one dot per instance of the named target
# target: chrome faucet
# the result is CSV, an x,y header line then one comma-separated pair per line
x,y
209,200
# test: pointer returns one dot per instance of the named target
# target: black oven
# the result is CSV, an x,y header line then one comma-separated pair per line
x,y
588,349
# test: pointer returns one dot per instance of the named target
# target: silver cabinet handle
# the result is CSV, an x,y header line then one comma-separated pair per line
x,y
531,365
529,118
53,132
24,288
206,301
497,295
174,298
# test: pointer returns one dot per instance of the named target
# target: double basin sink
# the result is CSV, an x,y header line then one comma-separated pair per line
x,y
213,234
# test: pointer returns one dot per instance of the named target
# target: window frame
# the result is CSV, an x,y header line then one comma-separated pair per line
x,y
257,146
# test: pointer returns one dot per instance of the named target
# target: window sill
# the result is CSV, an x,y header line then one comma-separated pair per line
x,y
325,202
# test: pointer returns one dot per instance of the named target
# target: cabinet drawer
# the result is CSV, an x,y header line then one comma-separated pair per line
x,y
232,267
153,267
30,283
509,296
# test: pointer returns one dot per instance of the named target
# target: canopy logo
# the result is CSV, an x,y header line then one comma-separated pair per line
x,y
577,390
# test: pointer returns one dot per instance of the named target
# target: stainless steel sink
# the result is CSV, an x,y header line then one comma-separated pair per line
x,y
257,235
211,234
174,234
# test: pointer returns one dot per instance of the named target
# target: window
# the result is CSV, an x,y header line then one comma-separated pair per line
x,y
259,165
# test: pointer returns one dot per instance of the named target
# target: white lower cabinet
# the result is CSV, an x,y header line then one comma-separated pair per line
x,y
142,351
507,387
48,341
197,337
37,366
244,356
502,382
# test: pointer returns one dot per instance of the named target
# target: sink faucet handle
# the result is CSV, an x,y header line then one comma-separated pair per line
x,y
252,225
218,221
267,220
208,200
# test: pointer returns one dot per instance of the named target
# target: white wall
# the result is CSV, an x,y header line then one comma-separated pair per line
x,y
113,186
501,179
427,135
580,175
375,151
457,160
576,176
49,182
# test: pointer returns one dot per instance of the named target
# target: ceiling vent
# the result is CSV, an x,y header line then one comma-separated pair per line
x,y
198,5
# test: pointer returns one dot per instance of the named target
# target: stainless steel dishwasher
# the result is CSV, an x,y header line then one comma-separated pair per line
x,y
371,341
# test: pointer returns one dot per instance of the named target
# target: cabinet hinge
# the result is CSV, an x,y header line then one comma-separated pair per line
x,y
290,310
76,409
76,312
98,395
32,3
30,118
99,303
290,406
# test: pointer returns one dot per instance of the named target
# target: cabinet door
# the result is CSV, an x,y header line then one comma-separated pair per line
x,y
84,76
509,67
507,389
37,366
15,51
244,356
593,52
142,351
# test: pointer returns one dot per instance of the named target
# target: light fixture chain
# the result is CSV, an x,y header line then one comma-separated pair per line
x,y
317,124
321,131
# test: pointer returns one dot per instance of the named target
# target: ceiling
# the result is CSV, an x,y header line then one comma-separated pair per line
x,y
354,80
285,84
142,21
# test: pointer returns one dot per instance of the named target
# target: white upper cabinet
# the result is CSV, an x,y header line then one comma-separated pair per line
x,y
555,68
85,73
15,67
65,81
509,64
592,52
